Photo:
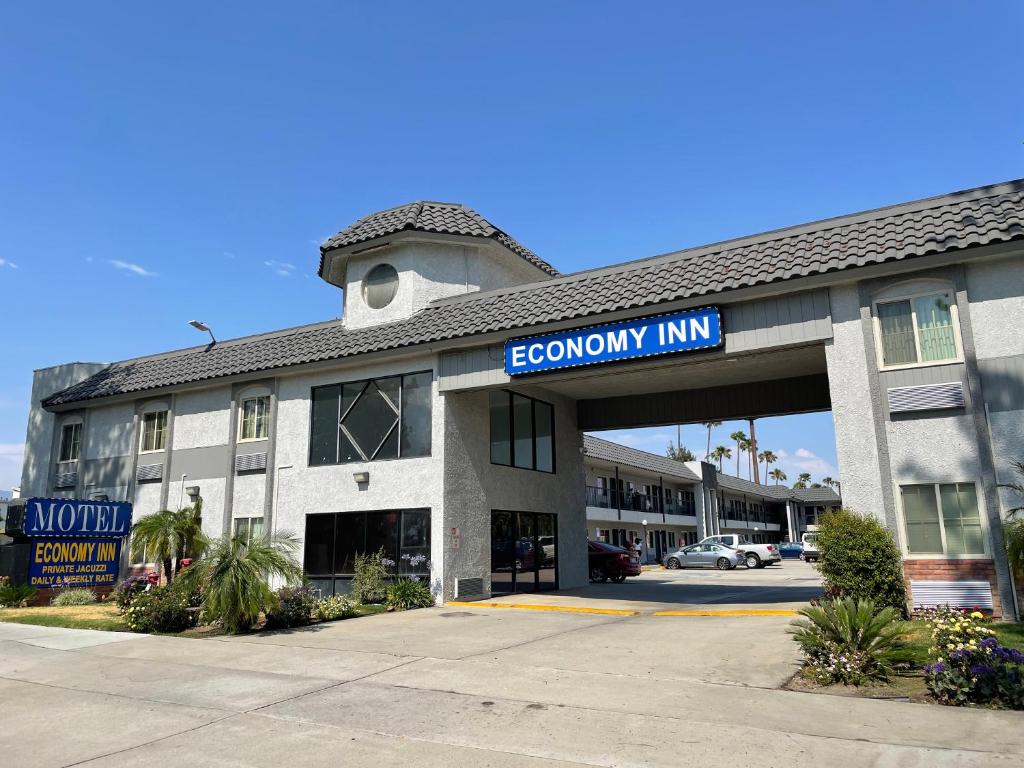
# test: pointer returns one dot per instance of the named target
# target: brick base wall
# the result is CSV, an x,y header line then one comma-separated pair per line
x,y
953,570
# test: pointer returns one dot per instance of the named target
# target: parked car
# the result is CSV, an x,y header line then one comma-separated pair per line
x,y
810,547
791,550
704,555
755,555
610,562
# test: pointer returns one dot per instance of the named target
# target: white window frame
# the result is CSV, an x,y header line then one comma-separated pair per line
x,y
142,429
60,448
954,317
944,555
241,418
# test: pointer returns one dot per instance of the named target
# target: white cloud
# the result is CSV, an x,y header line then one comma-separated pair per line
x,y
6,263
228,255
804,460
129,267
282,268
11,457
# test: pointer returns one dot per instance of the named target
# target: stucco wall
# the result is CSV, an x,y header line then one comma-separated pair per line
x,y
249,493
853,410
109,432
201,418
473,487
396,484
994,289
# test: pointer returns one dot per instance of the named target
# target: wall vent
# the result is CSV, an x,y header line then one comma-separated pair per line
x,y
926,397
469,588
145,473
65,480
251,462
959,594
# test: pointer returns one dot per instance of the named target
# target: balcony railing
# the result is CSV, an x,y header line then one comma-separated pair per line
x,y
636,502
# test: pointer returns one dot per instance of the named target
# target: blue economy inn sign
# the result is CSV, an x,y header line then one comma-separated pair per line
x,y
685,331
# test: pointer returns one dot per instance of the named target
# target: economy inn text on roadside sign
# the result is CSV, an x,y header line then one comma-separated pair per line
x,y
685,331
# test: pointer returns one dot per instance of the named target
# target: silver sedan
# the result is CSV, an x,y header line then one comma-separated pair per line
x,y
703,556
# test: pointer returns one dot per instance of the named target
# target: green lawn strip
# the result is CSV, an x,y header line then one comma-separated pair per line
x,y
367,610
103,617
1009,634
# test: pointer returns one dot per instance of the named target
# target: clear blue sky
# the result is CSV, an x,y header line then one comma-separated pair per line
x,y
159,163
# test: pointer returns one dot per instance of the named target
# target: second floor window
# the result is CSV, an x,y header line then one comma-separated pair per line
x,y
522,431
70,442
918,329
154,431
387,418
253,423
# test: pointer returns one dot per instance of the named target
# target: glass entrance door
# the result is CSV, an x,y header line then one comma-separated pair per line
x,y
524,552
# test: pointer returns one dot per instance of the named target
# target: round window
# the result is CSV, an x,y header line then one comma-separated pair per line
x,y
379,286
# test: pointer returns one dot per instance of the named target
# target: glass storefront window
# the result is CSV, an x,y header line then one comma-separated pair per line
x,y
522,431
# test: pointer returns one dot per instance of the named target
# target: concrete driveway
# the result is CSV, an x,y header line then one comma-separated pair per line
x,y
467,686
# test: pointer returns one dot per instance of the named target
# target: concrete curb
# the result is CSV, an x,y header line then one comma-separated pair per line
x,y
738,612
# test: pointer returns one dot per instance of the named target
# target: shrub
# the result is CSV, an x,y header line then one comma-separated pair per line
x,y
405,593
372,571
985,673
232,577
954,629
333,607
294,608
128,589
16,597
860,560
79,596
160,609
850,642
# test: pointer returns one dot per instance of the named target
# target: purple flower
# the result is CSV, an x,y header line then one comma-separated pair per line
x,y
989,643
981,670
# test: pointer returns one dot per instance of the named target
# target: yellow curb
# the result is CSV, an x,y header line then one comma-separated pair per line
x,y
555,608
752,612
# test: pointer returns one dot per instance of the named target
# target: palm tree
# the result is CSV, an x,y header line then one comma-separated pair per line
x,y
747,447
1018,487
233,577
721,452
740,437
682,453
777,475
768,457
1013,526
168,536
827,481
710,425
802,480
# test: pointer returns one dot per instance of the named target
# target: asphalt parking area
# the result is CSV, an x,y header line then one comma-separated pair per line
x,y
470,686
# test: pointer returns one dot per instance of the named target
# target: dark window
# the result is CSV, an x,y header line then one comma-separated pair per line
x,y
334,540
386,418
522,432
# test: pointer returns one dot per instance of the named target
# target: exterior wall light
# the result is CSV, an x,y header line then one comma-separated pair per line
x,y
361,478
192,492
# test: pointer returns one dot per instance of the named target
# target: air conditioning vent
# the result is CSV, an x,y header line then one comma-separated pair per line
x,y
927,397
65,480
251,462
146,473
958,594
469,588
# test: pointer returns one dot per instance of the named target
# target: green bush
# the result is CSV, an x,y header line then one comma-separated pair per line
x,y
372,571
128,590
16,597
860,560
294,608
68,597
161,609
850,642
332,608
404,593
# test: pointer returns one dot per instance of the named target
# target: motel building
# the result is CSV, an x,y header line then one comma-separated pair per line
x,y
444,414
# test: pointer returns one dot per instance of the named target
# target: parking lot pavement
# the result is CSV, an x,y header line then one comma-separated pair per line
x,y
475,687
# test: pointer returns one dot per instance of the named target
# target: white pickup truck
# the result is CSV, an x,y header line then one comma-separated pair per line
x,y
757,555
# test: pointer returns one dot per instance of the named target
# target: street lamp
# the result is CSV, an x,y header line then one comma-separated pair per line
x,y
199,325
647,549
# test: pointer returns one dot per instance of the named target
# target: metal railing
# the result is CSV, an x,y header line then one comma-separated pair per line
x,y
634,501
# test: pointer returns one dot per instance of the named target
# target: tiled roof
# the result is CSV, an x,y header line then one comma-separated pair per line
x,y
427,216
982,216
615,453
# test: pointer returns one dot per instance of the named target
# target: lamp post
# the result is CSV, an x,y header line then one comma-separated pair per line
x,y
199,325
647,549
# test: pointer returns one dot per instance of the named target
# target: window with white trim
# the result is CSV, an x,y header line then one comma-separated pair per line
x,y
917,329
248,528
254,418
942,519
70,441
154,431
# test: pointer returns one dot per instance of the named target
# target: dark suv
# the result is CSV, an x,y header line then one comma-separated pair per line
x,y
610,562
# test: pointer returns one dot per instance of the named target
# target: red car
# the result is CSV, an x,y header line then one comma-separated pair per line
x,y
610,562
